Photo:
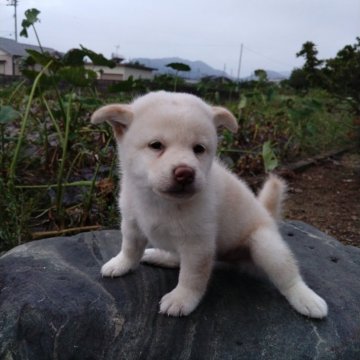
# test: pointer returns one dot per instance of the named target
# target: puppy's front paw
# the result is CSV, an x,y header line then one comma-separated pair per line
x,y
160,258
117,266
306,301
179,302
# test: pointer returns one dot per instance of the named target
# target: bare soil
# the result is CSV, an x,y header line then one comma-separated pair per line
x,y
327,196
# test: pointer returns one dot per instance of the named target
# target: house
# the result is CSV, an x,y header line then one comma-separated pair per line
x,y
122,70
11,54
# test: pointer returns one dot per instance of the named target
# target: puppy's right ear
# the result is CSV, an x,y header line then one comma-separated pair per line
x,y
119,116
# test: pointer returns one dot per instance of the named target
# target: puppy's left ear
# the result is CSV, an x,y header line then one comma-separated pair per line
x,y
119,116
223,117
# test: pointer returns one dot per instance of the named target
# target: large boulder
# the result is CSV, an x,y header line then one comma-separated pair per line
x,y
55,305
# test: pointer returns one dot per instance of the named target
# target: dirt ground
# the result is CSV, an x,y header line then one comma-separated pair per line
x,y
327,196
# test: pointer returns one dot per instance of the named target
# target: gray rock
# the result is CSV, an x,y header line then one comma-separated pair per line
x,y
55,305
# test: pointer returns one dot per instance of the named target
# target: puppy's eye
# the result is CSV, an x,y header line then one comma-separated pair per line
x,y
199,149
156,145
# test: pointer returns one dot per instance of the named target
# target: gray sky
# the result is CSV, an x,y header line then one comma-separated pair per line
x,y
272,31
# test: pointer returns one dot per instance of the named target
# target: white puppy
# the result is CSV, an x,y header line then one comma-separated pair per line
x,y
176,195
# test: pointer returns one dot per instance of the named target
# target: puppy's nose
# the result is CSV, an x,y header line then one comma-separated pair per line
x,y
184,175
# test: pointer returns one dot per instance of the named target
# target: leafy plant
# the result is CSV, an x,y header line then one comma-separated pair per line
x,y
178,67
261,75
53,104
270,160
23,128
58,173
339,75
7,115
14,217
31,17
343,73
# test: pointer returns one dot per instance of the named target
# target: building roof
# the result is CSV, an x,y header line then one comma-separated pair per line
x,y
136,65
14,48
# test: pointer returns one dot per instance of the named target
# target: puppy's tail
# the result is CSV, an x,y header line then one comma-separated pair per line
x,y
272,195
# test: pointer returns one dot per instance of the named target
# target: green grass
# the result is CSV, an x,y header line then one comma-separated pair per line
x,y
59,173
291,125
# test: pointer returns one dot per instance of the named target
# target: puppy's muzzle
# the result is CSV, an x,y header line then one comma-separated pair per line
x,y
184,175
183,183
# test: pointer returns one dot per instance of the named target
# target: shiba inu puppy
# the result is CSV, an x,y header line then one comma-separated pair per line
x,y
178,197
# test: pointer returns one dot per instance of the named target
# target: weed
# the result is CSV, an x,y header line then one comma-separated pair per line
x,y
58,174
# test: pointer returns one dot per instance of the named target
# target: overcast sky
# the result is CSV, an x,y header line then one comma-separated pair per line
x,y
272,31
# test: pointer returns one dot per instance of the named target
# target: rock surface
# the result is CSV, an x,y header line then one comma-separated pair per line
x,y
55,305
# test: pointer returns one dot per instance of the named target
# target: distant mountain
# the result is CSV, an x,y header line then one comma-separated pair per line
x,y
199,69
286,74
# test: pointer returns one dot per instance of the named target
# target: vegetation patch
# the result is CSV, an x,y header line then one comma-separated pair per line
x,y
58,174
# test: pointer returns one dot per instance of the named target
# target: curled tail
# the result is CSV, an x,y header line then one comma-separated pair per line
x,y
272,195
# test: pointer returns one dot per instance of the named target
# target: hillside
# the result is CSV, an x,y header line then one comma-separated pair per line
x,y
199,69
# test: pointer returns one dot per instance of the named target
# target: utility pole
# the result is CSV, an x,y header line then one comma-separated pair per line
x,y
14,3
239,65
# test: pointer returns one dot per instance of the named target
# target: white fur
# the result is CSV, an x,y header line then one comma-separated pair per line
x,y
217,216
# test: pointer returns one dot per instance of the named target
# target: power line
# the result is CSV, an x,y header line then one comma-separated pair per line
x,y
266,57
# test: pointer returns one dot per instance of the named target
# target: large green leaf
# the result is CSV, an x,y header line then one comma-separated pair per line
x,y
42,58
97,59
75,57
243,102
8,114
269,157
179,66
31,17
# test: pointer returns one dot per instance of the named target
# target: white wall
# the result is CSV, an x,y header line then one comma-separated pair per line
x,y
7,67
119,72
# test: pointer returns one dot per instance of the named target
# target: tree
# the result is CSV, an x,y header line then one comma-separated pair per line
x,y
312,64
343,74
309,52
298,80
261,75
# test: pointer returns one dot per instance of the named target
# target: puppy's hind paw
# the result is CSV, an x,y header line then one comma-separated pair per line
x,y
306,301
117,266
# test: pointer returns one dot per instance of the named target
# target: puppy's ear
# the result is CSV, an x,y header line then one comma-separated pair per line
x,y
119,116
223,117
